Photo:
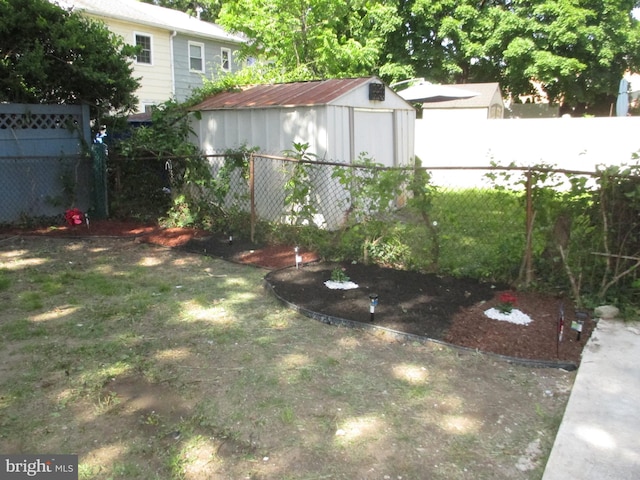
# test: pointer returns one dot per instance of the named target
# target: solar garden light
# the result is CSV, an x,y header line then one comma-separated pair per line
x,y
578,325
230,239
579,329
296,251
373,301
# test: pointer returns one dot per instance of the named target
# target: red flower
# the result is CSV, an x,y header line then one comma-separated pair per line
x,y
508,297
74,217
507,301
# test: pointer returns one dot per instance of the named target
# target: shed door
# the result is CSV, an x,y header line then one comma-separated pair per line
x,y
373,134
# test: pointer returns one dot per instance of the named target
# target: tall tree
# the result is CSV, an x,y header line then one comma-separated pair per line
x,y
577,50
582,48
52,55
315,38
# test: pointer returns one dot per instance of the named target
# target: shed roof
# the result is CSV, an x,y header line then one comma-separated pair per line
x,y
152,15
294,94
486,91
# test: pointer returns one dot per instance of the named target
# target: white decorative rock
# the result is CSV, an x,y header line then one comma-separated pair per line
x,y
606,312
340,285
515,316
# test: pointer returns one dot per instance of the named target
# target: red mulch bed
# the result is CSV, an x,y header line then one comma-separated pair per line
x,y
437,307
171,237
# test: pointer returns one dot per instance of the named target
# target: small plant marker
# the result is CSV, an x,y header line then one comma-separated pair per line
x,y
560,327
296,251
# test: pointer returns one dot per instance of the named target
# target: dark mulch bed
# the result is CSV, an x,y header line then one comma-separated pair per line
x,y
439,308
431,306
409,302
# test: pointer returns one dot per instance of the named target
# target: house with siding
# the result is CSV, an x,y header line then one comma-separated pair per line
x,y
178,50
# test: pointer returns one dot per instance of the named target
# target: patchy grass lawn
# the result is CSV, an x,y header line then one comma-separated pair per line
x,y
151,363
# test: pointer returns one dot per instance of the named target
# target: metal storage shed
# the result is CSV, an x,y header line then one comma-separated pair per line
x,y
338,118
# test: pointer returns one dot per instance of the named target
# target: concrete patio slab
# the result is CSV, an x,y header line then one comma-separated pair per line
x,y
599,436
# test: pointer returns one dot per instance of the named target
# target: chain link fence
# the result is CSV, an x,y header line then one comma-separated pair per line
x,y
570,230
42,170
43,186
330,195
461,224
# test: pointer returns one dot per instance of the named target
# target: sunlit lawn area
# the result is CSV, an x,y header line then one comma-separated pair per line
x,y
151,363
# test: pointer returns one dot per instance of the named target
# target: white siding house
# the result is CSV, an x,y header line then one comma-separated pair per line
x,y
179,50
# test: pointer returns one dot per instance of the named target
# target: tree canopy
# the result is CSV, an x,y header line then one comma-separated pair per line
x,y
316,38
575,50
52,55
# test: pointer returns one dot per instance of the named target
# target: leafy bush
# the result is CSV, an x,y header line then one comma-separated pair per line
x,y
585,231
299,202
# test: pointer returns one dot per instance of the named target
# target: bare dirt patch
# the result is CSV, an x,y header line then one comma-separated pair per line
x,y
114,228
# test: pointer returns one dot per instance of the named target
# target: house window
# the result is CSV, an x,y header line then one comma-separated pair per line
x,y
196,57
144,43
226,59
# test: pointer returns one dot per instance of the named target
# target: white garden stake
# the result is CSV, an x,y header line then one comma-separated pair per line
x,y
296,250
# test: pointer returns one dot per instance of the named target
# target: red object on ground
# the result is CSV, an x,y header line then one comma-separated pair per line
x,y
74,217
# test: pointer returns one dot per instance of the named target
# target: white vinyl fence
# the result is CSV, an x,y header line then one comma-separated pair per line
x,y
567,143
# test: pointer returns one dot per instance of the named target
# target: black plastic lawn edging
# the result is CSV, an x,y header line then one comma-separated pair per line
x,y
401,336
